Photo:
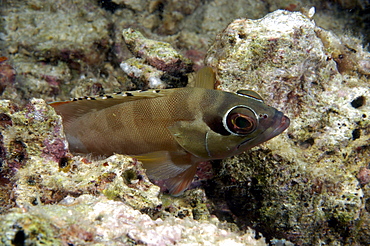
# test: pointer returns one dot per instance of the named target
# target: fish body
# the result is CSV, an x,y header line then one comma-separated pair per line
x,y
170,130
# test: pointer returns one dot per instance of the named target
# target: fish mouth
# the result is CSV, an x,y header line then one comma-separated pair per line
x,y
280,123
279,127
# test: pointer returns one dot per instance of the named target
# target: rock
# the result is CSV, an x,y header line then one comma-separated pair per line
x,y
97,220
7,76
302,184
36,161
84,43
155,61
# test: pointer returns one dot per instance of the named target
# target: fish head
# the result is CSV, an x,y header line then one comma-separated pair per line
x,y
247,122
239,122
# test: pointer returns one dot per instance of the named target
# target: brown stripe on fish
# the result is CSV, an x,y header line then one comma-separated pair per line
x,y
191,103
161,112
131,132
154,135
212,114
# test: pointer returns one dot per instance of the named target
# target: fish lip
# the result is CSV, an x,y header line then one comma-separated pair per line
x,y
282,123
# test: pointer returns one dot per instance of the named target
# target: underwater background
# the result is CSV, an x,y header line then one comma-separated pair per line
x,y
309,59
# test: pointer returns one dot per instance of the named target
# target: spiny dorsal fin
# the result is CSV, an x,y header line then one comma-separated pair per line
x,y
79,106
205,78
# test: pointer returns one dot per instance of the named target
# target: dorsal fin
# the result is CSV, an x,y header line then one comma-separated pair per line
x,y
250,93
79,106
205,78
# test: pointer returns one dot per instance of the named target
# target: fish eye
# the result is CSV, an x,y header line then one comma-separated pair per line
x,y
240,121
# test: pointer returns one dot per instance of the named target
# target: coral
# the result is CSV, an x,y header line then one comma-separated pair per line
x,y
33,30
138,5
136,68
364,175
88,46
158,54
52,63
302,183
27,229
214,17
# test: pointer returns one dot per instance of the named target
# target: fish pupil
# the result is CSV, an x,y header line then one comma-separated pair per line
x,y
242,122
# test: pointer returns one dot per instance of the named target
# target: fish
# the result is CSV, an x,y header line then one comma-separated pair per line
x,y
171,130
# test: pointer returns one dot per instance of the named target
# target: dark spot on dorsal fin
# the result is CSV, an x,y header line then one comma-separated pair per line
x,y
109,96
157,91
129,94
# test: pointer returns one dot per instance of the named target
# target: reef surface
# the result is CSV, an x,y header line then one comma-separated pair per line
x,y
308,186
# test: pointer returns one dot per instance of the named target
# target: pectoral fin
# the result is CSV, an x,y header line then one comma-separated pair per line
x,y
162,165
191,136
176,168
177,185
198,139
